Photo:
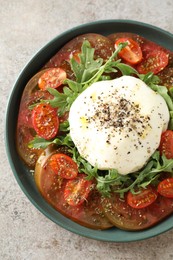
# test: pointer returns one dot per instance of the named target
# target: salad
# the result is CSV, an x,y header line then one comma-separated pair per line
x,y
95,125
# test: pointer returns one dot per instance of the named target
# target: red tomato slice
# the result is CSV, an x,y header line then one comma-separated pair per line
x,y
77,190
52,78
45,121
132,52
166,144
125,217
142,199
89,214
154,61
165,188
63,165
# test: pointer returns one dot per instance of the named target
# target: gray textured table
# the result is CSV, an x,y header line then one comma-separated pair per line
x,y
25,26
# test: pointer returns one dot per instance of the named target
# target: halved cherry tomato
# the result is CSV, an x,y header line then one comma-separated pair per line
x,y
143,199
45,121
77,190
165,188
132,52
154,61
166,144
63,165
52,78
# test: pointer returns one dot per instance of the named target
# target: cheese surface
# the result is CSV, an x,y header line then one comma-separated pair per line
x,y
117,124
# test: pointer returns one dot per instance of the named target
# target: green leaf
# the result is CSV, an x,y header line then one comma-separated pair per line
x,y
126,69
88,65
164,165
67,91
149,78
39,143
64,127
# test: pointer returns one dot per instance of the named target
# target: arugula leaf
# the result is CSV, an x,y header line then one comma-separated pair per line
x,y
109,66
162,164
149,78
126,69
88,66
38,143
64,127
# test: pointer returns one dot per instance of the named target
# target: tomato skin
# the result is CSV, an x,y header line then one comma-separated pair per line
x,y
166,77
102,45
52,78
132,52
77,190
25,131
154,61
63,165
45,121
166,144
165,188
125,217
52,186
143,199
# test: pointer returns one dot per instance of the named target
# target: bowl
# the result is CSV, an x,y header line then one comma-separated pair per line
x,y
22,173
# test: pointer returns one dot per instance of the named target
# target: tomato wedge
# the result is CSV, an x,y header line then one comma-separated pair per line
x,y
166,144
45,121
132,52
165,188
63,165
77,190
143,199
154,61
52,78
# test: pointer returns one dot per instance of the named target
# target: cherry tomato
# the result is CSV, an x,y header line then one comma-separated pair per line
x,y
165,188
154,61
77,190
143,199
64,166
45,121
132,52
166,144
52,78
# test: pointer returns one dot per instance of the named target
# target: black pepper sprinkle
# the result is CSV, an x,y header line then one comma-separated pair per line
x,y
118,115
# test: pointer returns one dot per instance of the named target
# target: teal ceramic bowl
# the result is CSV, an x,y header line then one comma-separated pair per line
x,y
22,174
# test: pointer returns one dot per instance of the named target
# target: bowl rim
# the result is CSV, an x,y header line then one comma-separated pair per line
x,y
83,231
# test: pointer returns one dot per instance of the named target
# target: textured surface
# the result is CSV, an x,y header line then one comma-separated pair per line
x,y
24,28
